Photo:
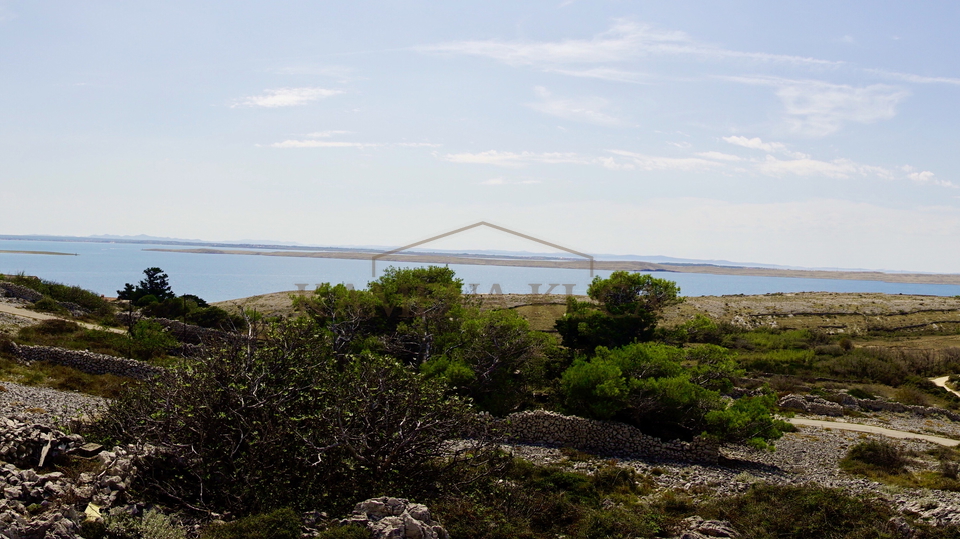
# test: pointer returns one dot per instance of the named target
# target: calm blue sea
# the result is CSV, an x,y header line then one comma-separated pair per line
x,y
105,267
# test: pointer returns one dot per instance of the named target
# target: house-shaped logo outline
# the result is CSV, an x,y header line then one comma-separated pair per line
x,y
374,258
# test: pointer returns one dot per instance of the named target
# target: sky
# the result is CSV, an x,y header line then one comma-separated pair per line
x,y
814,133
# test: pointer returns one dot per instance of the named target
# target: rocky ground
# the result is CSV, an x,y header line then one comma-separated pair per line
x,y
46,406
11,324
811,455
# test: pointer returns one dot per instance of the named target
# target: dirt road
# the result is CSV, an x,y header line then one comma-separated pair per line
x,y
873,430
33,315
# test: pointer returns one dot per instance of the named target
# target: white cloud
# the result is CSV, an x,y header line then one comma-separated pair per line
x,y
918,79
720,156
839,168
771,166
285,97
512,159
319,144
756,143
625,40
587,110
818,108
928,177
632,160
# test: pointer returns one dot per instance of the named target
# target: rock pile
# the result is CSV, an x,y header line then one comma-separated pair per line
x,y
87,361
36,505
697,528
395,518
32,445
602,437
17,291
813,404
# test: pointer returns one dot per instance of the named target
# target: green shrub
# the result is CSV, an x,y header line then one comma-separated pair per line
x,y
49,305
60,292
302,429
877,454
150,340
647,385
908,394
280,524
801,511
56,327
859,393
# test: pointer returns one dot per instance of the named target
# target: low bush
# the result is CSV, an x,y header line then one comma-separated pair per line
x,y
524,500
280,524
49,305
301,428
859,393
879,455
801,511
60,292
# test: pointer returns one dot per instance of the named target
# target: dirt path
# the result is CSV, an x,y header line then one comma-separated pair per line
x,y
942,382
873,430
33,315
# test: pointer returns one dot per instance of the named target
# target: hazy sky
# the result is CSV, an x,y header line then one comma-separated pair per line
x,y
806,133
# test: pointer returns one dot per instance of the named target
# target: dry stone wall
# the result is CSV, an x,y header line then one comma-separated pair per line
x,y
602,437
813,404
88,361
18,291
185,333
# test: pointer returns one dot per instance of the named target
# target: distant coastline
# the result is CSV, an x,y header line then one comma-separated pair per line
x,y
607,265
36,253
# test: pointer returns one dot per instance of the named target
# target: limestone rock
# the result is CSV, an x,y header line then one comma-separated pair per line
x,y
395,518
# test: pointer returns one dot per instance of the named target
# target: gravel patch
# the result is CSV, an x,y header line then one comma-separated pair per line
x,y
46,406
810,456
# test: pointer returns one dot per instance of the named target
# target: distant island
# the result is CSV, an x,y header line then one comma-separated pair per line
x,y
607,265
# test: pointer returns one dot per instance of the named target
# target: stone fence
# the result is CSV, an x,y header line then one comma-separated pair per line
x,y
602,437
813,404
185,333
20,292
87,361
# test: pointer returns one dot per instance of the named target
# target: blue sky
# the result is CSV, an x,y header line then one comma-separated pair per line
x,y
800,133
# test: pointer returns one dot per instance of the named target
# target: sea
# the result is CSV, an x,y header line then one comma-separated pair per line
x,y
106,267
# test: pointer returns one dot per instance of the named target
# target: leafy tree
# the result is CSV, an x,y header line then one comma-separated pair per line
x,y
155,284
490,359
345,317
420,307
627,308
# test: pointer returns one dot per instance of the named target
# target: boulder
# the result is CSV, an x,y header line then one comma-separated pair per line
x,y
395,518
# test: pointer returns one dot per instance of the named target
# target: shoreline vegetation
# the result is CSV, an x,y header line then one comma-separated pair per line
x,y
607,265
